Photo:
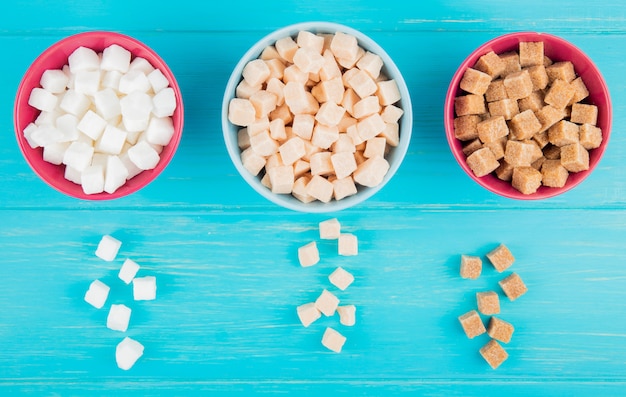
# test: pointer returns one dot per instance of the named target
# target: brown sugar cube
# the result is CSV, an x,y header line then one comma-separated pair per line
x,y
561,71
513,286
548,116
511,62
504,171
559,94
563,133
495,91
471,266
590,136
501,258
465,127
472,324
575,157
533,102
541,139
538,163
526,179
547,61
581,91
497,147
520,153
584,114
500,330
492,129
531,53
536,152
518,85
469,104
493,353
488,302
482,162
471,147
475,81
552,152
525,125
491,64
553,174
538,76
505,107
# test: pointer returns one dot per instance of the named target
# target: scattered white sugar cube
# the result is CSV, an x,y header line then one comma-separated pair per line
x,y
78,155
281,179
108,248
164,103
160,130
143,156
107,103
330,229
75,103
371,172
388,92
308,255
127,353
344,164
116,58
134,81
320,188
308,313
327,303
128,271
87,81
92,179
42,99
118,318
54,81
333,340
241,112
54,152
348,244
344,45
111,141
92,125
116,174
341,278
83,58
144,288
157,80
347,315
256,72
97,294
67,126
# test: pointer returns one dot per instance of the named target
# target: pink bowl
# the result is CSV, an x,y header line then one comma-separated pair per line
x,y
558,50
54,58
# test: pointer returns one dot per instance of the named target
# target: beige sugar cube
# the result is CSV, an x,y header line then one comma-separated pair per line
x,y
363,85
388,92
321,164
299,189
281,179
496,91
308,313
324,136
286,48
563,133
366,106
533,102
277,69
475,81
245,90
346,122
391,133
541,139
465,127
282,112
590,136
311,149
258,126
308,255
303,125
276,87
531,53
506,108
264,102
333,340
501,258
265,181
353,132
256,72
559,94
482,162
488,302
320,188
330,114
391,114
301,167
343,188
348,244
341,278
277,130
497,147
270,52
349,99
306,39
493,353
471,266
472,146
241,112
504,171
263,144
343,144
539,77
308,60
500,330
330,68
469,104
575,157
370,63
347,315
553,174
293,74
584,114
492,129
327,303
274,160
518,85
329,91
525,125
472,324
243,139
513,286
520,153
344,45
375,147
561,71
252,161
350,63
299,99
548,116
526,179
511,62
580,90
330,229
370,126
371,172
344,164
491,64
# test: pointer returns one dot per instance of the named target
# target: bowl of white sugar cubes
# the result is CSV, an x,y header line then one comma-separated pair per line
x,y
316,117
98,115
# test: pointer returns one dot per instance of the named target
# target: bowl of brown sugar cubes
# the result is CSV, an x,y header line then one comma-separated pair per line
x,y
528,115
316,117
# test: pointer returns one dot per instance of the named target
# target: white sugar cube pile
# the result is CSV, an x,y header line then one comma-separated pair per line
x,y
106,104
127,353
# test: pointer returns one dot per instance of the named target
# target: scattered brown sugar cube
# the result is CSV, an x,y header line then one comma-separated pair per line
x,y
518,85
590,136
561,71
492,129
525,125
472,146
526,179
505,107
493,353
553,174
533,102
531,53
504,171
482,162
500,330
469,104
548,116
575,157
513,286
584,114
511,62
495,91
501,258
475,81
563,133
559,94
497,147
471,266
581,91
520,153
472,324
491,64
552,152
538,76
465,127
541,139
488,302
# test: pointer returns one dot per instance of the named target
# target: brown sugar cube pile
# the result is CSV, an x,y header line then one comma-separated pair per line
x,y
494,353
488,302
501,258
500,330
513,286
471,266
472,324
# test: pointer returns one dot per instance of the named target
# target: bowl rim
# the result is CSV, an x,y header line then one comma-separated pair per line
x,y
21,99
287,200
455,145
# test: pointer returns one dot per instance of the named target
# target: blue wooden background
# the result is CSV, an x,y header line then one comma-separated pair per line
x,y
224,321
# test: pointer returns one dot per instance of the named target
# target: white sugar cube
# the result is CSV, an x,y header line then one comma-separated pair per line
x,y
144,288
141,64
78,155
143,156
92,125
127,353
97,294
128,270
160,130
92,179
164,103
333,340
134,81
75,102
136,106
87,81
67,125
116,174
118,318
330,229
108,248
28,134
308,255
107,103
347,315
48,118
72,174
54,81
54,152
157,80
327,303
83,58
308,313
100,159
341,278
111,79
45,135
111,141
42,99
133,170
116,58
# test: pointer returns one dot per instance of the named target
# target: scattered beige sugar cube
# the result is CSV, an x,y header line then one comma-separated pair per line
x,y
525,125
277,130
526,179
362,84
303,125
292,150
513,286
370,63
252,161
580,90
245,90
472,324
531,53
548,116
371,172
590,136
366,106
375,147
391,114
256,72
561,71
506,108
343,188
299,189
469,104
330,229
333,340
348,244
575,157
320,188
475,81
511,62
559,94
263,144
493,353
388,92
286,48
501,258
343,164
308,313
495,91
347,315
482,162
327,303
539,77
264,102
343,144
329,91
491,64
391,133
341,278
281,179
370,126
344,45
324,136
330,114
465,127
241,112
471,266
584,114
308,60
306,39
518,85
321,164
492,129
308,255
553,174
330,68
488,302
563,133
500,330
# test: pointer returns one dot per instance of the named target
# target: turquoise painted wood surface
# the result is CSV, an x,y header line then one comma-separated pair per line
x,y
224,321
